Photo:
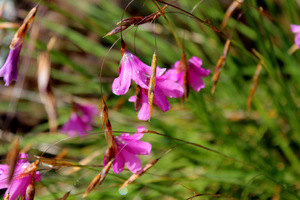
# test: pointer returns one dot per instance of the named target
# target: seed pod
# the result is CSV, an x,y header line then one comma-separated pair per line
x,y
152,84
116,30
236,4
138,96
183,66
30,191
104,114
220,64
65,196
254,85
12,157
130,21
98,179
139,173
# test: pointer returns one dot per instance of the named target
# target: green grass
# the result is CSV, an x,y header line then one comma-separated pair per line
x,y
261,146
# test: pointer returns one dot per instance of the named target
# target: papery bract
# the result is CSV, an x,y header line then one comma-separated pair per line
x,y
131,67
164,87
18,185
195,73
296,29
129,147
9,70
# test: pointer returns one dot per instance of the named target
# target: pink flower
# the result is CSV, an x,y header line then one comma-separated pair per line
x,y
9,70
20,181
129,147
164,87
296,29
132,68
81,120
195,73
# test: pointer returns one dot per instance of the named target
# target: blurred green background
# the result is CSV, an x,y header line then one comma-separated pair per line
x,y
264,142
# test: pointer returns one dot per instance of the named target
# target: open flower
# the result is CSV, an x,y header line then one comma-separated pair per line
x,y
195,73
164,87
18,185
129,147
80,121
131,67
296,29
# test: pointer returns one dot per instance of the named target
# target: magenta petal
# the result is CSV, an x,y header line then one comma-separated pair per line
x,y
18,187
139,147
4,170
195,64
9,70
144,109
89,111
140,129
196,82
169,88
132,161
161,100
136,136
295,28
76,126
121,84
119,163
297,40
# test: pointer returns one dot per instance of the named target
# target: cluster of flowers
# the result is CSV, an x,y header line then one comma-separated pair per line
x,y
169,83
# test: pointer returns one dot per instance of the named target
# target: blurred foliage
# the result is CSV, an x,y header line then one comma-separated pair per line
x,y
263,144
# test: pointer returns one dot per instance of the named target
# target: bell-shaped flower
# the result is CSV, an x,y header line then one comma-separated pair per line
x,y
195,73
20,181
81,120
164,87
129,147
9,70
131,67
296,29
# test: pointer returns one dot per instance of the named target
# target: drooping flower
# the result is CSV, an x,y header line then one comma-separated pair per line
x,y
9,70
131,67
195,73
296,29
81,120
21,179
164,87
129,147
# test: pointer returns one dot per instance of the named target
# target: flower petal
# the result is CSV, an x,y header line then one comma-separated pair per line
x,y
18,187
88,112
121,84
144,109
161,100
138,147
195,64
9,70
295,28
119,162
169,88
297,40
132,161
